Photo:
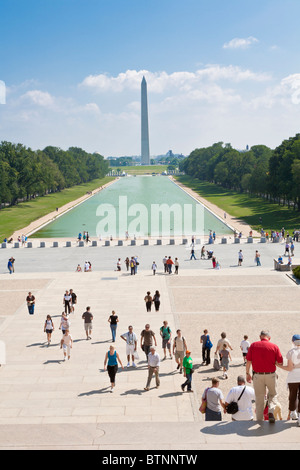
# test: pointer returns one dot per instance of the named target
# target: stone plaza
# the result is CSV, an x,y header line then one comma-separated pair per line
x,y
47,403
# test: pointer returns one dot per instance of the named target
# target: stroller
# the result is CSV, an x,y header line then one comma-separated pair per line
x,y
209,254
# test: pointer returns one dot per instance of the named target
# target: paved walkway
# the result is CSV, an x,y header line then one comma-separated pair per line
x,y
45,402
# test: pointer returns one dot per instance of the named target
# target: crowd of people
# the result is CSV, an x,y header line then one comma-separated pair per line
x,y
255,393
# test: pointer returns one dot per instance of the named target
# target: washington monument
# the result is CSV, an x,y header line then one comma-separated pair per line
x,y
145,127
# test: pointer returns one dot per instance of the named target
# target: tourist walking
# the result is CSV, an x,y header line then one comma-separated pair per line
x,y
257,258
49,328
111,363
12,259
30,299
240,258
153,368
119,264
166,334
148,300
287,249
293,378
113,320
64,323
170,263
206,347
243,396
263,356
292,248
245,345
131,345
223,340
188,371
154,268
165,264
66,344
127,262
156,300
225,357
132,266
74,300
193,254
179,347
147,338
67,301
10,266
176,263
203,252
87,316
214,399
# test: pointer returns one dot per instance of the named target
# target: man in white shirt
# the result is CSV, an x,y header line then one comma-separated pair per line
x,y
131,345
245,412
153,368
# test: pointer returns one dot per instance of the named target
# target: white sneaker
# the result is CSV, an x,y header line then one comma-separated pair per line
x,y
128,365
298,422
133,364
294,415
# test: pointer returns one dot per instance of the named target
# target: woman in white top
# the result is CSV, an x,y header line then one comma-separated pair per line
x,y
67,344
67,301
48,328
293,378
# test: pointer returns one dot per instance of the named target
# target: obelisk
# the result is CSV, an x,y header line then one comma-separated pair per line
x,y
145,126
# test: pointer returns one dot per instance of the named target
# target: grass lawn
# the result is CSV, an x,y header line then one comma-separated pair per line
x,y
245,207
141,170
16,217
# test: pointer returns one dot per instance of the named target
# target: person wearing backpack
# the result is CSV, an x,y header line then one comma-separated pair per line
x,y
239,400
166,334
206,347
179,347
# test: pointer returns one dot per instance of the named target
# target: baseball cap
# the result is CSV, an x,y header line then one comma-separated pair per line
x,y
296,339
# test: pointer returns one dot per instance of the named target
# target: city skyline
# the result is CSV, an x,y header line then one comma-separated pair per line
x,y
215,72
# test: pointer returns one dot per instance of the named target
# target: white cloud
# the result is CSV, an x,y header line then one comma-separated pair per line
x,y
240,43
161,82
292,85
186,110
40,98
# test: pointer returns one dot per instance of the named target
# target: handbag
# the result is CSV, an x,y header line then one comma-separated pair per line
x,y
216,365
233,407
203,406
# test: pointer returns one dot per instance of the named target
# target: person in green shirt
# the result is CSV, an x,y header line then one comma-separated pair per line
x,y
188,371
166,334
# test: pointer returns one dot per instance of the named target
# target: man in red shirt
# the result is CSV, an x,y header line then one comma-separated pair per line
x,y
263,356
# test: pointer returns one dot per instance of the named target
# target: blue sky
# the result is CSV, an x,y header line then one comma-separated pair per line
x,y
216,71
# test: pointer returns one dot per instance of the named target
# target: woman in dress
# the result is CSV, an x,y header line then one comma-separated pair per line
x,y
111,360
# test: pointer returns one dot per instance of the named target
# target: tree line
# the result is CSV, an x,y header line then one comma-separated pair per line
x,y
25,174
260,171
